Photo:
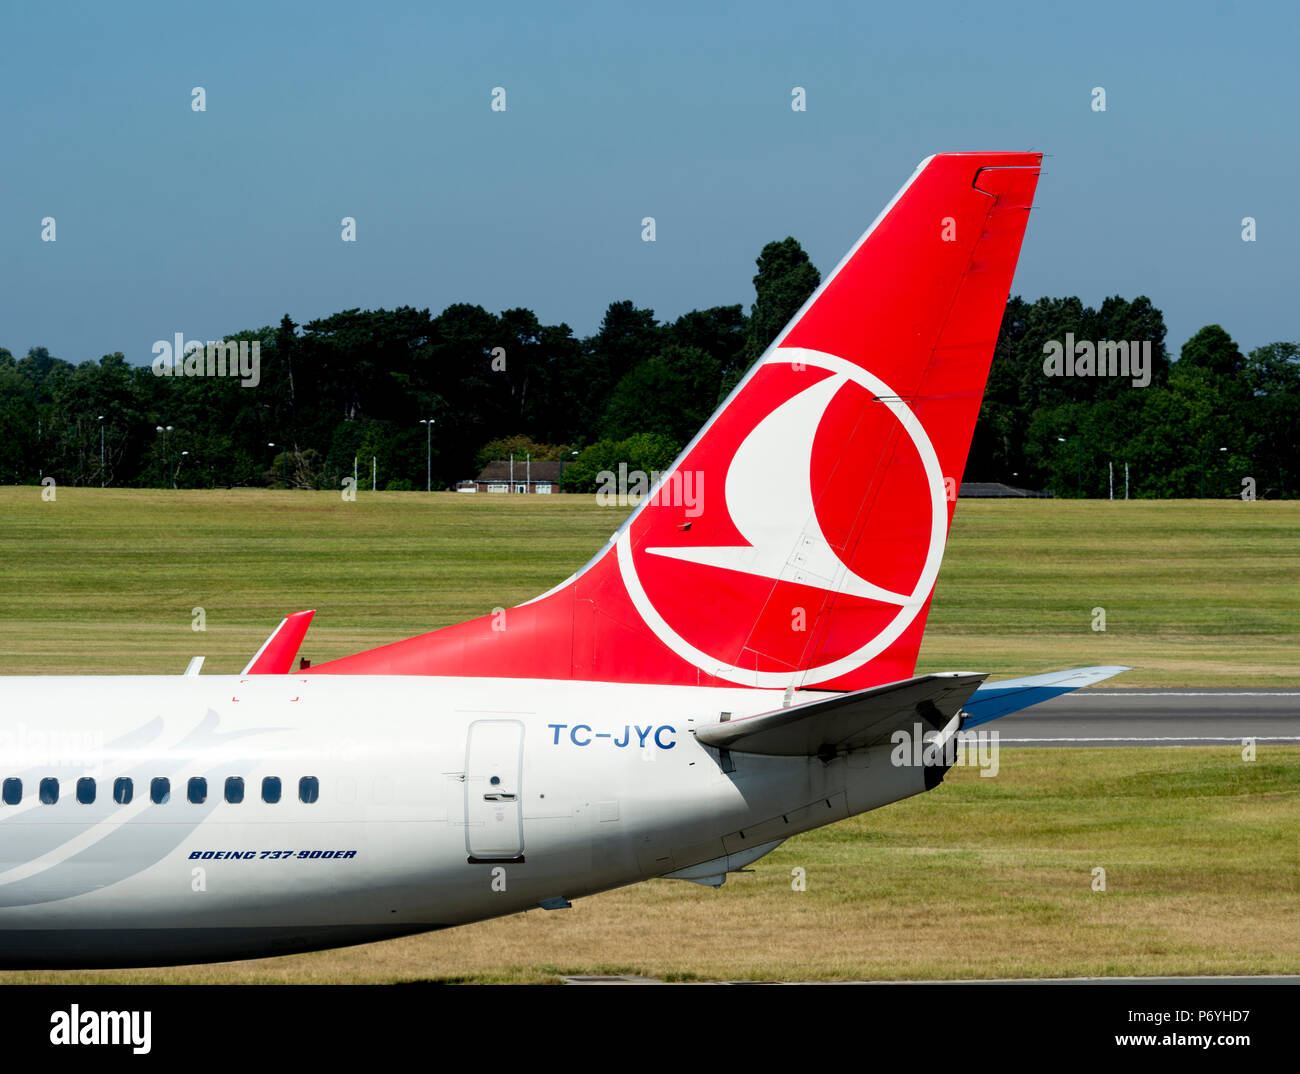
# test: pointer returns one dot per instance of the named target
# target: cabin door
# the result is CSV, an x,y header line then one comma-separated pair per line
x,y
494,821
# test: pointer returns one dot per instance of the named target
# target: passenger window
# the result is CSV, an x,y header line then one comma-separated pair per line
x,y
49,791
271,789
198,790
86,790
234,789
13,791
308,789
160,789
122,790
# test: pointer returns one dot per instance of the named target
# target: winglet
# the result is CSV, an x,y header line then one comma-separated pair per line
x,y
275,657
996,699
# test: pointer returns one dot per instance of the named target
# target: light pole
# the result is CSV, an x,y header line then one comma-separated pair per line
x,y
1205,451
1078,460
165,431
101,451
428,453
178,466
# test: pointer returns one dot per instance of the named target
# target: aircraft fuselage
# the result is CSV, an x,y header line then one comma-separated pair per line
x,y
404,805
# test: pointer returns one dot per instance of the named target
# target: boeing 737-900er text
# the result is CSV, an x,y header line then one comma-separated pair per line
x,y
729,670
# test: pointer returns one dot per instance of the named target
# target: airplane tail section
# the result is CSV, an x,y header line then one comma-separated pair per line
x,y
797,539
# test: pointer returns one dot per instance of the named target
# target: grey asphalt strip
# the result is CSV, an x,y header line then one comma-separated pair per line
x,y
1182,717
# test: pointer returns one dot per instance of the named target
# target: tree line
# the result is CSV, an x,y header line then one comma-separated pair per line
x,y
355,387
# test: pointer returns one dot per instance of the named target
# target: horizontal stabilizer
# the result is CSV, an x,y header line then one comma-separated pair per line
x,y
849,721
996,699
275,657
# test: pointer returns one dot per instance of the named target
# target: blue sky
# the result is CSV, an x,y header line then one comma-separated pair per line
x,y
206,223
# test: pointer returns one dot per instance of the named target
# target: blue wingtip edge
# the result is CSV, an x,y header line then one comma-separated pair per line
x,y
1011,695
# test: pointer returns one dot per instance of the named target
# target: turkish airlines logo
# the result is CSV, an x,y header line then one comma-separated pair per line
x,y
772,535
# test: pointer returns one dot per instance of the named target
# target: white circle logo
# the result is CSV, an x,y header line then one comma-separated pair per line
x,y
745,497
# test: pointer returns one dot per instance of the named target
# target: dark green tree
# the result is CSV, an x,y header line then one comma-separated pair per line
x,y
643,452
672,393
784,282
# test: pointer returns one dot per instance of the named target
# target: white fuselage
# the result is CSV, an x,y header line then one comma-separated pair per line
x,y
438,802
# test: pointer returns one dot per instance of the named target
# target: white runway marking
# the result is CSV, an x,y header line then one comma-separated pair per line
x,y
1236,739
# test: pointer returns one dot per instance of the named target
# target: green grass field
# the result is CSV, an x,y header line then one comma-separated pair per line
x,y
105,581
981,878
